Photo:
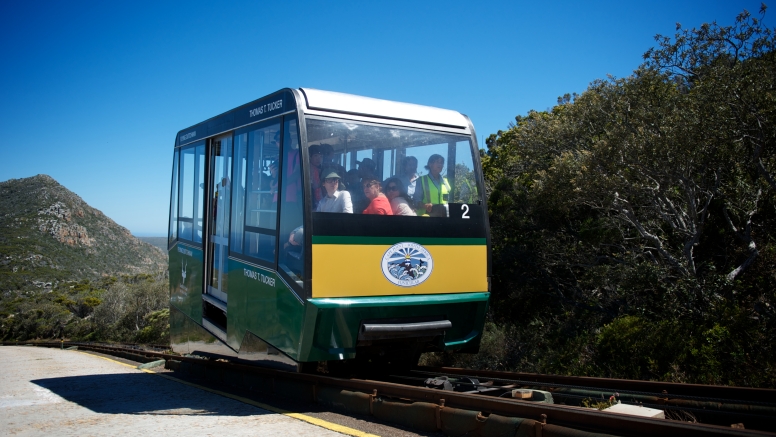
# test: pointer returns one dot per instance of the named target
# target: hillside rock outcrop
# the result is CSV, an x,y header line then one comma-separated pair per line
x,y
49,234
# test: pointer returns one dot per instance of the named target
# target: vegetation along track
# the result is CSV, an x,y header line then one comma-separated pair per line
x,y
478,395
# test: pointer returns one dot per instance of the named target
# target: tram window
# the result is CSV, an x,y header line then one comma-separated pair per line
x,y
465,189
256,195
291,256
385,152
191,193
200,198
172,235
238,193
388,164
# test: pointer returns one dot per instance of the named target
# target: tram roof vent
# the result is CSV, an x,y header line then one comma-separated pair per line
x,y
367,106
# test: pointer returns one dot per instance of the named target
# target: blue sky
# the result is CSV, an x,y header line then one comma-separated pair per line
x,y
93,93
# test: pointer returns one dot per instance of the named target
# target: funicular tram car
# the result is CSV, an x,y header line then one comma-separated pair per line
x,y
256,273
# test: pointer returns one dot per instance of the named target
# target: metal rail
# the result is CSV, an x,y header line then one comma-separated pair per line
x,y
611,384
546,416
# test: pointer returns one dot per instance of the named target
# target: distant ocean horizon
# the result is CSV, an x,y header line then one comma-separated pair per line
x,y
157,240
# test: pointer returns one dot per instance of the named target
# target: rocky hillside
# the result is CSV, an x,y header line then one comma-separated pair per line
x,y
48,235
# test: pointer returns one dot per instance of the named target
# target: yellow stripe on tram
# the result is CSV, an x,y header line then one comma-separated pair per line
x,y
345,270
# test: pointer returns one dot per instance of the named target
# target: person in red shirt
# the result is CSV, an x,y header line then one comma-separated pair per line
x,y
378,204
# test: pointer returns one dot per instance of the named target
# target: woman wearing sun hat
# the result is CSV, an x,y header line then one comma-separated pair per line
x,y
334,200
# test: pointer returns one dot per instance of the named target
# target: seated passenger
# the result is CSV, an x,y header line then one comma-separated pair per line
x,y
293,248
378,203
432,190
397,195
334,200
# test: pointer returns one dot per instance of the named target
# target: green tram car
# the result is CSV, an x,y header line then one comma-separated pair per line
x,y
256,273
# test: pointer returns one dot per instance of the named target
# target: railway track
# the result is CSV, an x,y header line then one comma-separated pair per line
x,y
481,402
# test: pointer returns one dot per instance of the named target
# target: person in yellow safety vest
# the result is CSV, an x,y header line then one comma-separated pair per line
x,y
432,189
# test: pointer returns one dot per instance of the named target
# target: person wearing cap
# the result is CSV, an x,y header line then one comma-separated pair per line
x,y
335,200
316,159
328,161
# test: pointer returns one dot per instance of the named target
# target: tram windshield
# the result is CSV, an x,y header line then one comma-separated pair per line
x,y
419,172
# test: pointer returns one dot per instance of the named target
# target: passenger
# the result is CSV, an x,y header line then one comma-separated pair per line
x,y
397,195
378,203
409,174
432,189
334,200
353,181
293,249
366,168
316,159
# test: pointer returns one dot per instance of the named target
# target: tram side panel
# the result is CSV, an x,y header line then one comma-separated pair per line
x,y
185,269
261,304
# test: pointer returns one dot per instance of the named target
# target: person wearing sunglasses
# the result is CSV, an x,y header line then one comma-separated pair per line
x,y
334,200
397,195
378,203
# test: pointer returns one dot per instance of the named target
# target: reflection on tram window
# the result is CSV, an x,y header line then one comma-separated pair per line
x,y
316,160
199,202
291,258
432,170
172,234
255,204
191,193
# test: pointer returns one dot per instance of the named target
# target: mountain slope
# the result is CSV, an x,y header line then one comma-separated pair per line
x,y
48,234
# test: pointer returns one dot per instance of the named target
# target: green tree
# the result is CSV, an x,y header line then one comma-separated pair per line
x,y
645,199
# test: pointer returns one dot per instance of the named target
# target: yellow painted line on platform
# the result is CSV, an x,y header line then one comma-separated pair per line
x,y
117,362
309,419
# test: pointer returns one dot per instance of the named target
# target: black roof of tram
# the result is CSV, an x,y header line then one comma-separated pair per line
x,y
257,110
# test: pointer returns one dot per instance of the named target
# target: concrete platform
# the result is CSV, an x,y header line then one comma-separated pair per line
x,y
53,392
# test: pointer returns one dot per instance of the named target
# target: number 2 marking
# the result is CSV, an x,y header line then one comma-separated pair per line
x,y
465,213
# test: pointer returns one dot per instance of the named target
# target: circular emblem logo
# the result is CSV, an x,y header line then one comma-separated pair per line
x,y
407,264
